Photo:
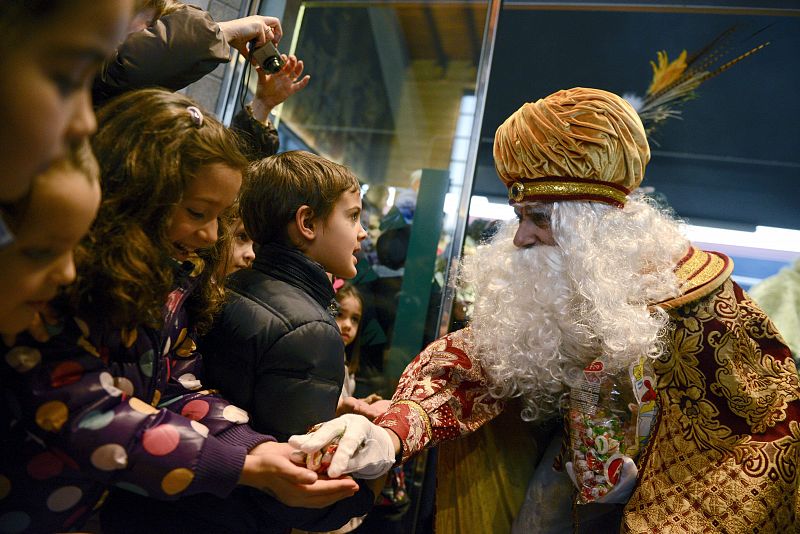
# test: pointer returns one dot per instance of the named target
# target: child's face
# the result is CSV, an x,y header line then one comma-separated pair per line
x,y
349,318
45,99
63,205
339,237
195,222
242,254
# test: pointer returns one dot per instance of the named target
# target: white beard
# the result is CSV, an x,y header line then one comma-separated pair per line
x,y
542,314
529,338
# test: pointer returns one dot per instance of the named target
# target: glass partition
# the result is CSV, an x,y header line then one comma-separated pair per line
x,y
393,96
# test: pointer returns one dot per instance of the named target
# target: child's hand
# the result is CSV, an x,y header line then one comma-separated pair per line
x,y
363,407
371,411
372,397
351,405
273,89
269,467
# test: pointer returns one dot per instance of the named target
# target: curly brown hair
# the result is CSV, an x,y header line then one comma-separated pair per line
x,y
149,147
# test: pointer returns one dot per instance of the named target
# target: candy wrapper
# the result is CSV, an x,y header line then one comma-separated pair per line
x,y
321,460
609,418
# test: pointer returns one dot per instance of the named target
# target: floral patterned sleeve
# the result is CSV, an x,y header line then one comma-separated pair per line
x,y
442,395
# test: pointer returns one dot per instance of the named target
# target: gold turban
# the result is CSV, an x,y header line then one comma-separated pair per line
x,y
576,144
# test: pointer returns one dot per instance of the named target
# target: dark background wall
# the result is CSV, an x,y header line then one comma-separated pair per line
x,y
734,158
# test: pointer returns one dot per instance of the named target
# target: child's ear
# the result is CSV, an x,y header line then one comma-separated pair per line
x,y
305,223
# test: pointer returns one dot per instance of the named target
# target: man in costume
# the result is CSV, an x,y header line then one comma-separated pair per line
x,y
594,306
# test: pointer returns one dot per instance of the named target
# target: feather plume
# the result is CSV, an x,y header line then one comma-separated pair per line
x,y
675,82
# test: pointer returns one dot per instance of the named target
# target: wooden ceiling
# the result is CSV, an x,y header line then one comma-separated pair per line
x,y
444,32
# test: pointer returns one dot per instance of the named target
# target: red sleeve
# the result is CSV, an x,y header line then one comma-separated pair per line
x,y
442,394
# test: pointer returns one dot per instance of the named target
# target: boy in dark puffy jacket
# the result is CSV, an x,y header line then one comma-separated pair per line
x,y
276,350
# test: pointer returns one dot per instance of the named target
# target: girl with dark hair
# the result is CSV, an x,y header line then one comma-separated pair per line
x,y
348,318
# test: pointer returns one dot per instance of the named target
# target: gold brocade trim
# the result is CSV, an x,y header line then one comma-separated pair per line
x,y
697,258
422,414
518,191
700,274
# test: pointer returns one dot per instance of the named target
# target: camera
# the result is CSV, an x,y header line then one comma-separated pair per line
x,y
267,57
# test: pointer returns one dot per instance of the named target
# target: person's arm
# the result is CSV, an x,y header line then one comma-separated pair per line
x,y
66,399
259,137
442,394
70,400
179,49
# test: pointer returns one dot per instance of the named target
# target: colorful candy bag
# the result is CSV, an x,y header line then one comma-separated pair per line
x,y
321,459
609,418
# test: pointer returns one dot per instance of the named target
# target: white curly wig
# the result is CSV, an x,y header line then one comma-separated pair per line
x,y
543,313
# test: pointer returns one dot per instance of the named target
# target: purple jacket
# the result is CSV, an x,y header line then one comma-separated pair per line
x,y
91,408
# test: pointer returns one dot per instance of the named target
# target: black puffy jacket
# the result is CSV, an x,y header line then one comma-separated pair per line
x,y
276,350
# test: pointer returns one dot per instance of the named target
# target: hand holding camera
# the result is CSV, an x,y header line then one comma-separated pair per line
x,y
267,57
256,29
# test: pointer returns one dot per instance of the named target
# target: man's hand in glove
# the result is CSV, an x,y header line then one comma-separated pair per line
x,y
365,450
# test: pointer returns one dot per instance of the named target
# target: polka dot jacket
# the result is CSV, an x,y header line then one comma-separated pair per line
x,y
90,408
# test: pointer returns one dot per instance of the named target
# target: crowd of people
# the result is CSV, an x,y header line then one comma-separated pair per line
x,y
180,352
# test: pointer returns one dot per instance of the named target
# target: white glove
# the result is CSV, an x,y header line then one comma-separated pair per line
x,y
622,490
365,450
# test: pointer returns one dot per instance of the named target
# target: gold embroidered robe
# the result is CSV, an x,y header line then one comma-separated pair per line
x,y
724,452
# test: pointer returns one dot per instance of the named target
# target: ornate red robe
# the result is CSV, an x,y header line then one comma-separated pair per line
x,y
723,454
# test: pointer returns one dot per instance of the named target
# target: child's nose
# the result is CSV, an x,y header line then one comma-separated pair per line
x,y
249,254
63,272
82,122
209,232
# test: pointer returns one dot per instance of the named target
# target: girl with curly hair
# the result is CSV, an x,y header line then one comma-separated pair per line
x,y
114,397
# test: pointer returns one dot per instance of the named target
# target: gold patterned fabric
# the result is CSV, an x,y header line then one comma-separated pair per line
x,y
700,273
724,454
576,144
